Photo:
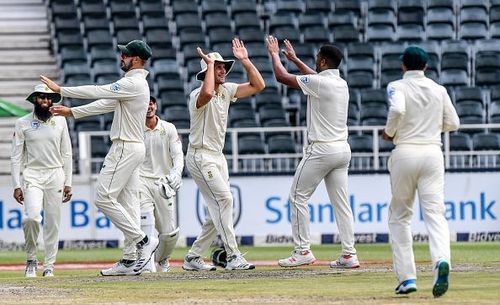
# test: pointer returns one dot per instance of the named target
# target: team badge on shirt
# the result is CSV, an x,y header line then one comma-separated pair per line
x,y
305,79
115,87
35,124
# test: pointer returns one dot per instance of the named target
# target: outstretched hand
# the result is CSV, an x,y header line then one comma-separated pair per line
x,y
61,110
272,45
289,51
51,84
239,50
204,56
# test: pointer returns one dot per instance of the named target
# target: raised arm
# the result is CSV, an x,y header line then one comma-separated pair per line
x,y
208,87
94,108
280,72
292,56
255,81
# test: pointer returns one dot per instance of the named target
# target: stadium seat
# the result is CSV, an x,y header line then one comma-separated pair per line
x,y
361,143
94,8
353,6
217,21
271,112
281,144
184,8
91,23
316,35
76,69
89,123
411,12
191,22
154,22
360,79
287,7
99,146
66,39
344,26
109,69
169,99
66,24
494,112
441,20
122,8
460,142
73,55
251,145
373,111
470,113
380,33
471,95
385,146
213,6
373,97
170,84
318,6
246,20
125,22
353,115
310,20
151,8
486,141
249,35
191,36
487,62
158,38
410,32
166,68
99,38
66,10
176,113
240,111
125,36
267,97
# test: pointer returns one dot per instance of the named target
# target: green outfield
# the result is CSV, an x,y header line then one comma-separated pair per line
x,y
475,279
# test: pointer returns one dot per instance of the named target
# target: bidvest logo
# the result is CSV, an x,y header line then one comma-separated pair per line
x,y
202,209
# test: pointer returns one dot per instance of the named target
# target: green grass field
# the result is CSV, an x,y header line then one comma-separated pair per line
x,y
475,279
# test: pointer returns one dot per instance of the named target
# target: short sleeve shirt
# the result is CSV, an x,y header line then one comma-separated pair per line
x,y
209,123
327,105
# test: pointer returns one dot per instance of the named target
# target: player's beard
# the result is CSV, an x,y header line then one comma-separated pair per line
x,y
42,112
124,66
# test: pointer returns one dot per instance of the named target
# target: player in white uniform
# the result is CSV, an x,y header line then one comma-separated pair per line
x,y
118,183
164,160
326,153
42,145
208,108
420,110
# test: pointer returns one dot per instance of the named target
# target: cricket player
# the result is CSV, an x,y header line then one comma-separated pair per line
x,y
420,110
161,178
42,146
208,109
118,183
326,153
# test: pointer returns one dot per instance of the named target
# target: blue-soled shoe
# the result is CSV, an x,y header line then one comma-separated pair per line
x,y
406,287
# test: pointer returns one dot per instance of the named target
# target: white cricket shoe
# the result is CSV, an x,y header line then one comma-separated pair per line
x,y
48,273
238,262
164,265
145,250
298,258
196,263
345,261
31,266
119,268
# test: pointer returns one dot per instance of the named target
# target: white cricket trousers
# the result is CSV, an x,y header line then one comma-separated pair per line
x,y
118,191
43,189
328,161
417,167
152,201
209,171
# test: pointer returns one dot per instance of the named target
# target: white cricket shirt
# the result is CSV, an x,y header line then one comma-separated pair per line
x,y
132,95
163,151
327,105
420,110
209,123
41,145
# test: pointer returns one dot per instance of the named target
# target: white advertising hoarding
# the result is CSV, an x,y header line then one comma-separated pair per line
x,y
262,208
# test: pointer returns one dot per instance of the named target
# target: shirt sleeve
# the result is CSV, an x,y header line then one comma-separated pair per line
x,y
176,153
67,154
17,155
123,88
397,108
192,100
97,107
232,88
451,121
309,84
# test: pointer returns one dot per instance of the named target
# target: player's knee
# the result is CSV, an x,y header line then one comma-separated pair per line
x,y
32,220
226,200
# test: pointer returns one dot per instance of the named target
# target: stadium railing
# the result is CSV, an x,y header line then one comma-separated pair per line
x,y
374,161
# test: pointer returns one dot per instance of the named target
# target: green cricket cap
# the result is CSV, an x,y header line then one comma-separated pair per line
x,y
136,48
414,56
